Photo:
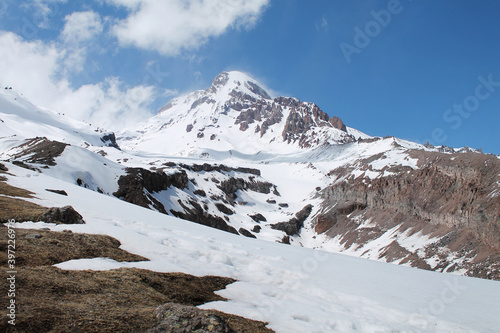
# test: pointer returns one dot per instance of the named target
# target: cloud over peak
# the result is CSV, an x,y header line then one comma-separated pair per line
x,y
169,27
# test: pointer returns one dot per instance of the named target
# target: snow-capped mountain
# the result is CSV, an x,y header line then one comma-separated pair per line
x,y
236,114
278,169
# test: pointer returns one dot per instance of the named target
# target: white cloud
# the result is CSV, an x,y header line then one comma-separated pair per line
x,y
38,70
169,26
43,11
81,26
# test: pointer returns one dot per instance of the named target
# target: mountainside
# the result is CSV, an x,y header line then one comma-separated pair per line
x,y
235,113
233,158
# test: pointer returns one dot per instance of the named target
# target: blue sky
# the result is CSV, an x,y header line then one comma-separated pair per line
x,y
419,70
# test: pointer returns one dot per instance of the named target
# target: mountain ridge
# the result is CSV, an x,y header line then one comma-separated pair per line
x,y
234,158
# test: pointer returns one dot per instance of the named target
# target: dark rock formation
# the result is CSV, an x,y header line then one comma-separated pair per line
x,y
258,218
232,185
177,318
61,192
3,168
110,140
246,233
450,197
218,168
223,208
64,215
40,150
256,228
200,192
292,227
132,186
196,213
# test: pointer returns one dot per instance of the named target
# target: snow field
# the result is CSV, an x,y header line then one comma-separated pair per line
x,y
294,289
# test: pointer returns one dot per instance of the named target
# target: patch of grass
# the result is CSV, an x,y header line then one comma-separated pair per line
x,y
19,210
13,191
120,300
49,247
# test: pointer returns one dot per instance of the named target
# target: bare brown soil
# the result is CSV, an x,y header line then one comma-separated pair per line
x,y
49,299
122,300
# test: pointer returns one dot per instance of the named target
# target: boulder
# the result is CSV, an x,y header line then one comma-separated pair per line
x,y
64,215
179,318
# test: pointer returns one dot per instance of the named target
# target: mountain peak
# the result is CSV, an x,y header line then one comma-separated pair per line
x,y
238,82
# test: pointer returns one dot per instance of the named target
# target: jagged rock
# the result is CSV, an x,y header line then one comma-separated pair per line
x,y
246,233
64,215
271,201
178,318
61,192
200,193
3,168
232,185
338,123
258,218
132,186
189,128
40,150
223,208
449,194
110,140
256,228
292,227
219,168
283,205
196,213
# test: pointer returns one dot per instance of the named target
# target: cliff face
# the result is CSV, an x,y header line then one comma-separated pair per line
x,y
451,198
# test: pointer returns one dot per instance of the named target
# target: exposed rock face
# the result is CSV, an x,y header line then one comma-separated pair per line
x,y
40,151
195,213
232,185
110,140
64,215
454,198
250,107
246,233
218,167
136,187
179,318
293,226
304,117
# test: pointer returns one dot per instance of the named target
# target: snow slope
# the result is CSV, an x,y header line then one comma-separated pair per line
x,y
294,289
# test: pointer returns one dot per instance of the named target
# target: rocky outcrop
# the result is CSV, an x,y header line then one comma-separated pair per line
x,y
454,198
179,318
293,226
246,233
138,184
40,150
304,117
64,215
233,185
195,213
217,167
110,140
